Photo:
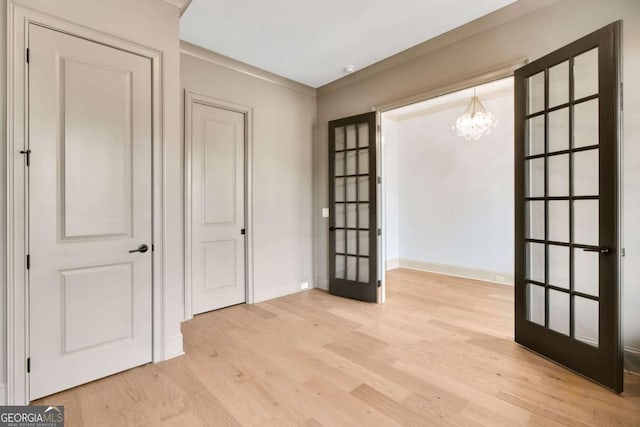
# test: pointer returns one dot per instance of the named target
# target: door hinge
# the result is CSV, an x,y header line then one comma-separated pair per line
x,y
379,180
243,231
379,283
28,365
27,153
28,261
623,252
153,247
27,55
379,231
621,96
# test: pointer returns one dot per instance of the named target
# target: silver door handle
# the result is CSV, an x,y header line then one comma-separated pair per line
x,y
603,250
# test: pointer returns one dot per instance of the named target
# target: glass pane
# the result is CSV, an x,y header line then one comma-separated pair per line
x,y
363,213
352,242
535,220
339,189
535,303
351,215
586,271
351,268
339,167
585,312
351,163
535,136
559,84
585,123
339,215
363,135
340,242
559,311
558,167
559,266
339,138
535,178
364,270
586,226
558,220
559,130
363,161
340,267
364,242
535,262
585,173
585,74
363,185
351,136
351,189
535,95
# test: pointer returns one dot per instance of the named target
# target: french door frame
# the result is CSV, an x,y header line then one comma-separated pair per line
x,y
603,363
192,97
19,18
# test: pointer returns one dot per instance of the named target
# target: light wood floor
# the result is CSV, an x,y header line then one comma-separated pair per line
x,y
439,352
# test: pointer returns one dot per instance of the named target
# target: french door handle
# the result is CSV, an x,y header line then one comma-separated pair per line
x,y
603,250
142,248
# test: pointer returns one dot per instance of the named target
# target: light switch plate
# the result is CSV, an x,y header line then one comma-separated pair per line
x,y
325,212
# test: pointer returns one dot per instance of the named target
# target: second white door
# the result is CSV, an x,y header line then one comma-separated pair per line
x,y
217,263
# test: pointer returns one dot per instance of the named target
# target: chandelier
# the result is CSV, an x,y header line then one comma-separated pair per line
x,y
476,121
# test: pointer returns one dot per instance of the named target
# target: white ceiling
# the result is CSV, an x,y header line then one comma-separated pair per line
x,y
312,41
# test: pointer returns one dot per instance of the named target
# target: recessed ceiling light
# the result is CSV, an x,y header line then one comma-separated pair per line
x,y
349,69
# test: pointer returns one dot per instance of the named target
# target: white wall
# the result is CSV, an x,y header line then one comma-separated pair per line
x,y
455,197
283,126
496,39
154,24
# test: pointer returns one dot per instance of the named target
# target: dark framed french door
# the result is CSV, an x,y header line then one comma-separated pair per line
x,y
353,233
567,133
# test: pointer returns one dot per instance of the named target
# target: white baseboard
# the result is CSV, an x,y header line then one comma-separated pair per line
x,y
173,347
272,295
499,277
322,283
3,394
393,263
632,359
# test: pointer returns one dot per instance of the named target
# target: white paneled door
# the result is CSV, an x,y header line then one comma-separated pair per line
x,y
217,207
89,206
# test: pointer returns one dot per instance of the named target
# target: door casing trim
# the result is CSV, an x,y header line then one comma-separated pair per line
x,y
192,97
19,17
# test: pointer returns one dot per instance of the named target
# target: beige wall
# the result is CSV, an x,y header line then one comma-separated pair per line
x,y
283,126
3,205
152,23
463,53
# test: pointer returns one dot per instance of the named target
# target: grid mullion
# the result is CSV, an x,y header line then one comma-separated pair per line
x,y
546,195
346,206
572,325
357,205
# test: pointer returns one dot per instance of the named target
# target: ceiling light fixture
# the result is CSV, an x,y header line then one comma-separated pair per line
x,y
349,69
476,121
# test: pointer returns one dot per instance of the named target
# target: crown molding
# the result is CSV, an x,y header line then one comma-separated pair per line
x,y
241,67
180,4
484,23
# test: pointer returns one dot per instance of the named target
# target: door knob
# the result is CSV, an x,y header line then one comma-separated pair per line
x,y
332,228
142,248
603,250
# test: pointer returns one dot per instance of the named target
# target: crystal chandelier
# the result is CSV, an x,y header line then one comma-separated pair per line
x,y
476,121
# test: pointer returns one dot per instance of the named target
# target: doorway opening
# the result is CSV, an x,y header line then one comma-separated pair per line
x,y
448,205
